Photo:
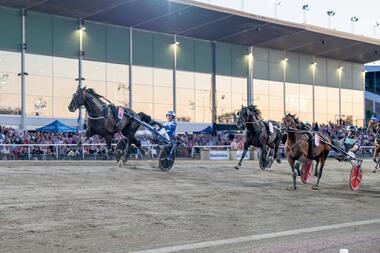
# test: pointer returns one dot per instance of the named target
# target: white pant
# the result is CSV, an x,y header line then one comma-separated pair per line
x,y
149,135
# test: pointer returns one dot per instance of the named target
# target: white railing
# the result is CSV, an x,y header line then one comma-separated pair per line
x,y
83,148
56,148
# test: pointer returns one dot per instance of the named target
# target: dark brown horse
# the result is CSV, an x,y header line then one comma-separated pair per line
x,y
102,118
374,128
257,134
299,147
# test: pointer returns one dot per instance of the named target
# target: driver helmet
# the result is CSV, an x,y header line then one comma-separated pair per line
x,y
171,113
374,118
307,124
352,129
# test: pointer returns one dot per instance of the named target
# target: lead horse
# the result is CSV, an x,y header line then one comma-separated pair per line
x,y
299,147
258,134
102,118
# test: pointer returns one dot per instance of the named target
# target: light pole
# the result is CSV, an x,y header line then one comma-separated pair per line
x,y
375,25
340,69
275,6
330,14
353,19
305,9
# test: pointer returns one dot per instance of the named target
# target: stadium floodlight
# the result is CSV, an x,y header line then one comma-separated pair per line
x,y
354,19
277,2
305,7
176,43
285,59
330,13
340,68
314,64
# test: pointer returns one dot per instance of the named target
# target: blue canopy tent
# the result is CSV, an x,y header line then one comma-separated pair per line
x,y
56,127
207,130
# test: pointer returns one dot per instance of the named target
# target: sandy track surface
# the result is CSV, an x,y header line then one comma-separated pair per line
x,y
96,206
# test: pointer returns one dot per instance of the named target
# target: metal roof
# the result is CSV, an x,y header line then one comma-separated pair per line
x,y
203,21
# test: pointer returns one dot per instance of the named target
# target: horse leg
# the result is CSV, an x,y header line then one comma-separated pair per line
x,y
108,139
376,159
276,147
375,152
242,156
137,144
84,138
322,161
316,168
294,175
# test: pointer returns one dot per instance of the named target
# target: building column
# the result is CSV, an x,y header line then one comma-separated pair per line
x,y
284,63
174,72
130,87
213,83
23,73
250,77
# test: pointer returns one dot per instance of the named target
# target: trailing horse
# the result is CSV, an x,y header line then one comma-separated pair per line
x,y
258,134
102,118
374,128
299,147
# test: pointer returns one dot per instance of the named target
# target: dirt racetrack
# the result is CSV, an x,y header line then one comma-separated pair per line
x,y
198,206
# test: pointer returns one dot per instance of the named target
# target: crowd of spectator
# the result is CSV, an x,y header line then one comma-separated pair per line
x,y
233,140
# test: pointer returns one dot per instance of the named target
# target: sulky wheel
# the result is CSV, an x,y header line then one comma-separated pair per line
x,y
307,171
356,176
265,161
166,157
121,152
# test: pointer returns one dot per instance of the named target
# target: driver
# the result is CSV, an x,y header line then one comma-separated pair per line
x,y
349,143
171,124
168,129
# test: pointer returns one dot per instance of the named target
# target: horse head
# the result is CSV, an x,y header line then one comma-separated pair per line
x,y
247,114
290,121
78,99
373,126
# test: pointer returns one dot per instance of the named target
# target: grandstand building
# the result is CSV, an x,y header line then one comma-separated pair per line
x,y
201,60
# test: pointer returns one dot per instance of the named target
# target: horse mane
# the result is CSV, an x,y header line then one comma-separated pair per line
x,y
255,110
92,92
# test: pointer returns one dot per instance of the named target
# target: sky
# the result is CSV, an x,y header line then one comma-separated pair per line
x,y
367,11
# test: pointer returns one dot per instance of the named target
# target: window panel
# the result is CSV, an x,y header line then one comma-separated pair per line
x,y
143,107
39,106
142,93
142,75
163,77
39,65
94,70
117,72
65,67
163,95
185,79
118,93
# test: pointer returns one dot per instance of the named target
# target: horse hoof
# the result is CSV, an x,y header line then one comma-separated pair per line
x,y
291,188
314,187
120,163
374,170
237,167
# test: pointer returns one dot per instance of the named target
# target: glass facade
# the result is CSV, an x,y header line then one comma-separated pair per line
x,y
10,84
52,66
